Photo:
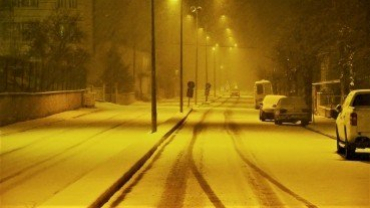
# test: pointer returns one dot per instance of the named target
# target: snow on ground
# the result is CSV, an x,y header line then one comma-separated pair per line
x,y
276,166
42,158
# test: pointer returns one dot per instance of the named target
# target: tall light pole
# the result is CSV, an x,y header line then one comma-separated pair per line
x,y
195,10
154,72
214,71
181,57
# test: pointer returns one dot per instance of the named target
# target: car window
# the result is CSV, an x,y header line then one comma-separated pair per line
x,y
259,89
298,102
286,102
361,100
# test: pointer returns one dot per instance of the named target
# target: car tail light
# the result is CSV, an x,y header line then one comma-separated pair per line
x,y
353,119
283,110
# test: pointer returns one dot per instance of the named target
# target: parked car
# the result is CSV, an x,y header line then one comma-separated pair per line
x,y
268,106
235,92
292,109
353,123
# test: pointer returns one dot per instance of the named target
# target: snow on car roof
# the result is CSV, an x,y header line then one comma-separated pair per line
x,y
272,98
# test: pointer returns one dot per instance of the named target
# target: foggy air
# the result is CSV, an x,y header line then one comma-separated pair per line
x,y
184,103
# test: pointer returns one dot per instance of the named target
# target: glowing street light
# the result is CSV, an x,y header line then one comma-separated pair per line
x,y
195,10
214,69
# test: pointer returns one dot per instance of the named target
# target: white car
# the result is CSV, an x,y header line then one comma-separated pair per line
x,y
353,123
235,92
268,105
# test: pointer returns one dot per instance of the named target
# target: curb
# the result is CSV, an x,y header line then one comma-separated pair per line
x,y
103,198
319,132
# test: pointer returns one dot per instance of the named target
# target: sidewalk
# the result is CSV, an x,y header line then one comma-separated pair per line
x,y
324,126
92,188
95,188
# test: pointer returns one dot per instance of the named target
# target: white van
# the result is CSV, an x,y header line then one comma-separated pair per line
x,y
261,89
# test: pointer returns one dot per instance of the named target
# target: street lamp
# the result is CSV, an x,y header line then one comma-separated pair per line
x,y
195,10
181,57
154,72
214,70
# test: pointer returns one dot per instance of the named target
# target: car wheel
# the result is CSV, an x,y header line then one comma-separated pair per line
x,y
349,148
263,117
340,149
349,151
304,123
277,122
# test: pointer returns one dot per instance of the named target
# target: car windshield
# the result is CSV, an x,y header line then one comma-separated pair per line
x,y
292,101
361,100
271,99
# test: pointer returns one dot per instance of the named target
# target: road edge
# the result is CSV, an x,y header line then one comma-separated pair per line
x,y
104,197
319,132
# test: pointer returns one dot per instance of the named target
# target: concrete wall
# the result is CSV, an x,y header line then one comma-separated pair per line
x,y
15,107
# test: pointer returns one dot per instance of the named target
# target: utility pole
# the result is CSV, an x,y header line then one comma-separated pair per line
x,y
181,57
206,53
154,73
214,72
195,10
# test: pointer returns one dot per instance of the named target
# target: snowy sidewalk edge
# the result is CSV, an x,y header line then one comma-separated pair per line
x,y
320,132
95,188
127,176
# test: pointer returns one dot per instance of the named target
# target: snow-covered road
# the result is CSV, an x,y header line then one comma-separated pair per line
x,y
223,156
41,158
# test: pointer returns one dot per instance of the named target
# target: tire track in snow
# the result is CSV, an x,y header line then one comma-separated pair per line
x,y
212,196
140,174
196,172
232,129
187,159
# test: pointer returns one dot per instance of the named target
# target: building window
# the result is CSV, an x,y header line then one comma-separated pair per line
x,y
5,30
25,29
20,31
25,3
67,4
5,3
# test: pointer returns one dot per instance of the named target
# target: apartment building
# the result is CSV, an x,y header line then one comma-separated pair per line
x,y
17,16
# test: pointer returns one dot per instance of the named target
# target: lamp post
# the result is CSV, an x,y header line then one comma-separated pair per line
x,y
195,10
181,57
214,71
154,72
